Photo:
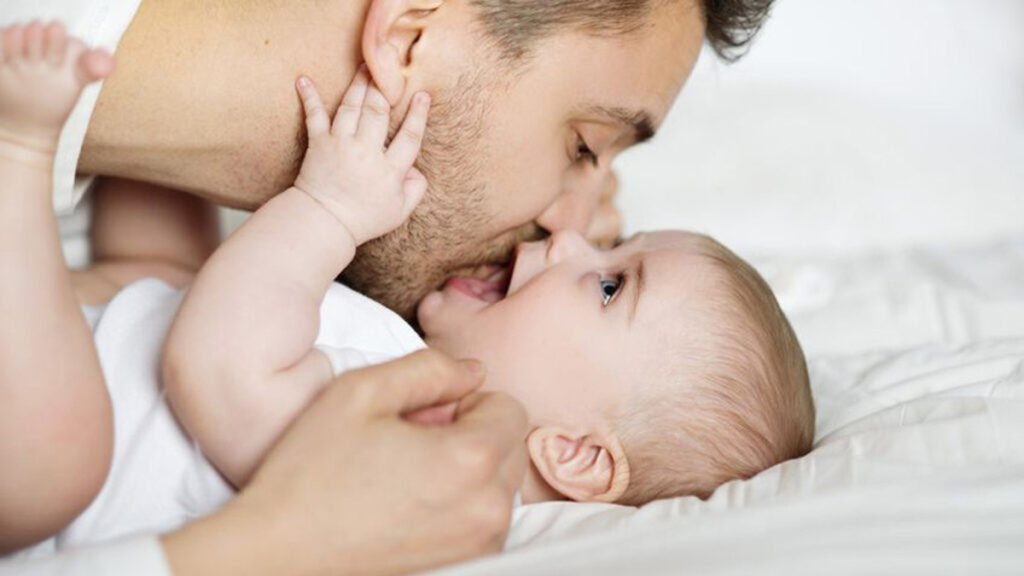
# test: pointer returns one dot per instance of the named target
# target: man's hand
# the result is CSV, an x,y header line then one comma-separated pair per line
x,y
369,189
606,225
353,487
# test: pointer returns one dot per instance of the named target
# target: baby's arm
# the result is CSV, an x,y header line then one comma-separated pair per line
x,y
56,430
240,361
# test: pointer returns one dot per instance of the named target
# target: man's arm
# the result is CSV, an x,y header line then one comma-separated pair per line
x,y
353,488
370,493
240,361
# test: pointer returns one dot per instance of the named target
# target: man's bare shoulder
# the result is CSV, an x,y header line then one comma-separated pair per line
x,y
204,100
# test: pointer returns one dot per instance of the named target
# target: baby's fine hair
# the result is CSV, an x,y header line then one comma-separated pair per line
x,y
739,401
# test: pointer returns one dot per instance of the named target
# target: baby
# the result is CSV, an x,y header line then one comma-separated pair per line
x,y
663,367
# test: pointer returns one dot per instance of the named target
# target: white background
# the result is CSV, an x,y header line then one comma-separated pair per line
x,y
850,126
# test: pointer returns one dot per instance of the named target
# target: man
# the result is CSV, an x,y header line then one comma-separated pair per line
x,y
533,101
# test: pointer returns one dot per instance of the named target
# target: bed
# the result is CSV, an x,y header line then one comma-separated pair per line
x,y
868,158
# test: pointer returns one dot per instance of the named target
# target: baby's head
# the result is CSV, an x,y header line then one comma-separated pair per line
x,y
661,368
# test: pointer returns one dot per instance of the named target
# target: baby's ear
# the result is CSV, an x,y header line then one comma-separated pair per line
x,y
582,467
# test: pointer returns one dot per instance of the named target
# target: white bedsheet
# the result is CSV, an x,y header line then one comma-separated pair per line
x,y
917,362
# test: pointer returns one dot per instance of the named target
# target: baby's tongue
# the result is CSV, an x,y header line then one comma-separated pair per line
x,y
489,290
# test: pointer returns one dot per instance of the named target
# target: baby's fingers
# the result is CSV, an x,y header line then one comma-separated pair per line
x,y
405,146
346,120
318,122
414,188
376,115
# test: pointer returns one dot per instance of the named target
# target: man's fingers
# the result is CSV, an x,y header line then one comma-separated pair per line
x,y
426,378
346,119
376,115
499,420
405,146
513,468
434,415
495,417
317,121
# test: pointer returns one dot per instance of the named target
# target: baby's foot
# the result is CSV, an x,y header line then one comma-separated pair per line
x,y
42,73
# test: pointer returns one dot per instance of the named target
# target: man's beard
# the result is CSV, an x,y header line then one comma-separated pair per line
x,y
442,235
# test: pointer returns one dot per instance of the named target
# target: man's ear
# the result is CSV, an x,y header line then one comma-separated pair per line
x,y
582,467
391,31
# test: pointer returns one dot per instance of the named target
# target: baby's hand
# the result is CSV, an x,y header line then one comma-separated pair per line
x,y
369,189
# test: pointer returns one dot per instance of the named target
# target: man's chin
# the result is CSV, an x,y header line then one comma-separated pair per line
x,y
401,292
400,270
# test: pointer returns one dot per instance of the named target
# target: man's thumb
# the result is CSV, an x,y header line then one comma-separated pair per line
x,y
423,379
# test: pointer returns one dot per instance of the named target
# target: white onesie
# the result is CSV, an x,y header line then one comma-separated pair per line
x,y
159,480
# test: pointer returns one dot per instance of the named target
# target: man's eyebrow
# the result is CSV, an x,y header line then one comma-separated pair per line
x,y
638,289
641,121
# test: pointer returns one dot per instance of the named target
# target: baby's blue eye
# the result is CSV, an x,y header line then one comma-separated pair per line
x,y
609,288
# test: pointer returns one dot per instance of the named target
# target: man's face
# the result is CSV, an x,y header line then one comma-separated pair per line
x,y
514,150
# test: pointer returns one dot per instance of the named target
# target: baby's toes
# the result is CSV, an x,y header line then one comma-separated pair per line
x,y
55,43
33,46
94,65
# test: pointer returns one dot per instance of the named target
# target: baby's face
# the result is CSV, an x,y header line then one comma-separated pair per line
x,y
580,329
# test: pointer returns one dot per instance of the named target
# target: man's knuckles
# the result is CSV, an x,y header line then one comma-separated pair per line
x,y
480,519
492,511
434,365
472,460
362,397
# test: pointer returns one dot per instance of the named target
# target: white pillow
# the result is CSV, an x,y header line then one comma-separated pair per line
x,y
884,419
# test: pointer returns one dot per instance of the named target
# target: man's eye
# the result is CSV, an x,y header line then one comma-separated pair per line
x,y
610,288
583,152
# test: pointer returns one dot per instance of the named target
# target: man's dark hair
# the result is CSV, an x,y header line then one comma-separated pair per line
x,y
515,25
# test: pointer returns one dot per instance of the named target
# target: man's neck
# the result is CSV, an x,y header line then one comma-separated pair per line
x,y
203,99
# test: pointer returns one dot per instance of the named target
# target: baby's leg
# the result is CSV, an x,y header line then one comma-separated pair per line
x,y
56,430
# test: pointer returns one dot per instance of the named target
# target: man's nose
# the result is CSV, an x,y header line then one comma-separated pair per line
x,y
575,208
566,244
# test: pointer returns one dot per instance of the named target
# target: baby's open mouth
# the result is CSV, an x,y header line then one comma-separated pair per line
x,y
488,283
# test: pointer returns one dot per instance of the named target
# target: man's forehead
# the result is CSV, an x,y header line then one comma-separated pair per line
x,y
633,80
639,70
